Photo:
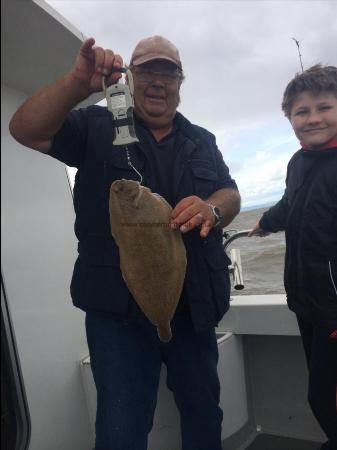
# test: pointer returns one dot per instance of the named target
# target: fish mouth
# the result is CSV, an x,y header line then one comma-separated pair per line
x,y
124,185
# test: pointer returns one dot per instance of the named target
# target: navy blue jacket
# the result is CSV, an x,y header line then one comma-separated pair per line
x,y
308,214
85,142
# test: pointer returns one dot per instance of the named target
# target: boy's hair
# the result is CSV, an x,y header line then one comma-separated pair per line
x,y
316,80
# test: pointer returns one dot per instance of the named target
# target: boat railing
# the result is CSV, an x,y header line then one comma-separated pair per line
x,y
235,268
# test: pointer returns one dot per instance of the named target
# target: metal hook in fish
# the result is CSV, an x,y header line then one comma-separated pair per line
x,y
131,165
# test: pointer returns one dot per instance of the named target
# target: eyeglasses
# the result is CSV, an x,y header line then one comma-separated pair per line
x,y
148,76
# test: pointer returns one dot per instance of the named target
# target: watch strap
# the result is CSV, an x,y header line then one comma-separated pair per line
x,y
217,214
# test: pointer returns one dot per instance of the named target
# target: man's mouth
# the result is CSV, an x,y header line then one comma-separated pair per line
x,y
156,97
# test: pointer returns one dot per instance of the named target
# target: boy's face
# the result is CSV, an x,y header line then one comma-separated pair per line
x,y
314,118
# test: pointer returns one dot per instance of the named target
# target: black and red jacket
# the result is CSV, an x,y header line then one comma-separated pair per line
x,y
308,214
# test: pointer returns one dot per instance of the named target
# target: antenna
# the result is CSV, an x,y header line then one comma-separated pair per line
x,y
299,53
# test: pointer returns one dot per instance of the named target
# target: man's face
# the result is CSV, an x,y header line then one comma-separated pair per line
x,y
156,92
314,118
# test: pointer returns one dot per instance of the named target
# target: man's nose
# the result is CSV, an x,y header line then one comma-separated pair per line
x,y
157,80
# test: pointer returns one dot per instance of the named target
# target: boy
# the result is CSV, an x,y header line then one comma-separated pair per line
x,y
308,214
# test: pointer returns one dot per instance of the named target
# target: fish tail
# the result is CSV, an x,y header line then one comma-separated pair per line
x,y
164,331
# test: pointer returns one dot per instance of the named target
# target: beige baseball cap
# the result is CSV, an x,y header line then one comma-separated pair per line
x,y
155,47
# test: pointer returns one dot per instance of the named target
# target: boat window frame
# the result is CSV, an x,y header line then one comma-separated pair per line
x,y
14,382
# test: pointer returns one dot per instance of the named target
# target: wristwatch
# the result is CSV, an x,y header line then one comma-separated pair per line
x,y
217,214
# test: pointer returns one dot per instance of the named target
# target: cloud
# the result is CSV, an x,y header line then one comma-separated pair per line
x,y
238,57
262,177
257,157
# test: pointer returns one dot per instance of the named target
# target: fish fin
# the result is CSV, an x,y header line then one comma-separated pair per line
x,y
164,331
162,199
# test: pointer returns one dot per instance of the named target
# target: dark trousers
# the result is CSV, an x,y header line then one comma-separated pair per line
x,y
126,362
321,355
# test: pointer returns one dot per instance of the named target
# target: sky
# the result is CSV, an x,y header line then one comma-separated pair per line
x,y
238,57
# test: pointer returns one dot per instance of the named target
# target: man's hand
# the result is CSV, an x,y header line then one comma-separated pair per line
x,y
192,212
91,64
40,117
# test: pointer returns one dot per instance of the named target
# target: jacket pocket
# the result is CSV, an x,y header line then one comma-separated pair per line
x,y
97,282
204,180
217,262
318,284
99,253
99,287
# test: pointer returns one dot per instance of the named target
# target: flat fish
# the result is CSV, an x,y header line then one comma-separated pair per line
x,y
152,254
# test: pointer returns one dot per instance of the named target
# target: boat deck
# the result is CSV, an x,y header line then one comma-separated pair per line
x,y
271,442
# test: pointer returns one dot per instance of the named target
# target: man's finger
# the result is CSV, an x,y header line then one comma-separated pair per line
x,y
99,59
86,46
118,61
205,228
109,58
182,205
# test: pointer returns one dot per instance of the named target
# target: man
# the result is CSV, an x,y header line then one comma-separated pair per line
x,y
181,162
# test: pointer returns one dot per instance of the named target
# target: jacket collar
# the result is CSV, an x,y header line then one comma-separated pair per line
x,y
189,137
330,144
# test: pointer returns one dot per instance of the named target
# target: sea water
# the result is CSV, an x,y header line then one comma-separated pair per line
x,y
262,258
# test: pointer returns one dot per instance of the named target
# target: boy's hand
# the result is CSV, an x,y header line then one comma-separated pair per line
x,y
257,231
91,64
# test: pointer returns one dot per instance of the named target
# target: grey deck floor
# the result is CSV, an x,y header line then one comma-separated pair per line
x,y
269,442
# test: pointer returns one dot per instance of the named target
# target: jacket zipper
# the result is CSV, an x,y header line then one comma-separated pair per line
x,y
332,280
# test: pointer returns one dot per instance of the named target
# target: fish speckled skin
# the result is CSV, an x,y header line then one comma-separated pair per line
x,y
152,255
